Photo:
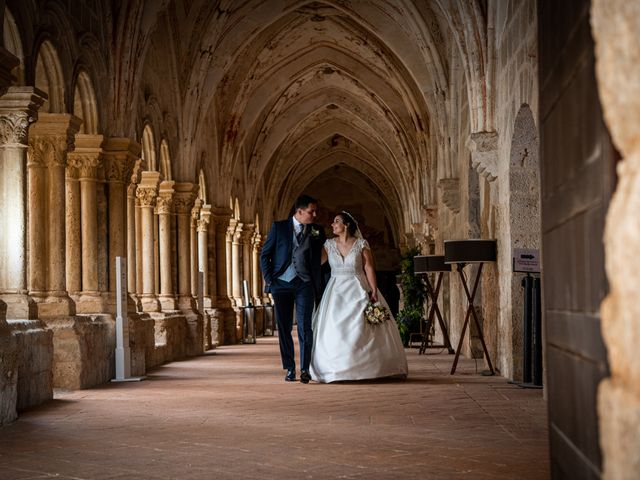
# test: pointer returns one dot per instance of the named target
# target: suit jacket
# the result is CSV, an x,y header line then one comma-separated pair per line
x,y
277,253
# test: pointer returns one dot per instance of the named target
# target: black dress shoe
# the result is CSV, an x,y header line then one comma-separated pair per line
x,y
304,376
291,375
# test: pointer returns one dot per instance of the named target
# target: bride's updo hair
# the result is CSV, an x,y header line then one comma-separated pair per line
x,y
350,222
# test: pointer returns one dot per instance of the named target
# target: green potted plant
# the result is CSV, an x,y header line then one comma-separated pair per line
x,y
413,294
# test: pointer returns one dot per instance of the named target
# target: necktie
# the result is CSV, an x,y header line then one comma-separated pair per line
x,y
300,234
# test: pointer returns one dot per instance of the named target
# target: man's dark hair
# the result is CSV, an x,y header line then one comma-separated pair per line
x,y
303,201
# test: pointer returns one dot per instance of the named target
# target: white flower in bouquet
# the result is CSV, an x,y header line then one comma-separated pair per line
x,y
375,314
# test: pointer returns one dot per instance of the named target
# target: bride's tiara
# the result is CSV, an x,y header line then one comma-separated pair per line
x,y
351,217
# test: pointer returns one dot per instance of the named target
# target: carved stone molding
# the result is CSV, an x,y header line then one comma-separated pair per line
x,y
165,197
184,197
484,154
450,193
120,156
14,128
19,108
147,196
203,225
87,165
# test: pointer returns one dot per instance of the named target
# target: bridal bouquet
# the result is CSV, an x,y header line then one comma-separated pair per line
x,y
375,314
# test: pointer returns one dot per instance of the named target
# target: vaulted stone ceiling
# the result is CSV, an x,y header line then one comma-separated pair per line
x,y
271,94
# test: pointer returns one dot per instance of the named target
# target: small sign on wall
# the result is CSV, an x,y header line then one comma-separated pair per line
x,y
526,260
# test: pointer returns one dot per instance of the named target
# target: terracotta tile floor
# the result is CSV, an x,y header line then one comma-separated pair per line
x,y
230,415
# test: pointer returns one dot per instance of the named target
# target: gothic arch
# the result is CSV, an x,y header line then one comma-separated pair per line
x,y
85,104
49,78
149,148
165,160
202,191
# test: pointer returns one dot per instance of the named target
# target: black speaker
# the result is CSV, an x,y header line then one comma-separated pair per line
x,y
430,263
469,251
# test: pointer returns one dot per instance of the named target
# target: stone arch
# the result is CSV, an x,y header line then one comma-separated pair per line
x,y
149,148
13,42
524,216
165,160
49,78
202,191
85,104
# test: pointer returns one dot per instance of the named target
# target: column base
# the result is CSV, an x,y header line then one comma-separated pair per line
x,y
187,303
168,303
149,302
34,360
110,304
89,302
84,348
54,304
8,374
208,303
19,305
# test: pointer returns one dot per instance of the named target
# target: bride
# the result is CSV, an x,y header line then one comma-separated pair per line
x,y
345,346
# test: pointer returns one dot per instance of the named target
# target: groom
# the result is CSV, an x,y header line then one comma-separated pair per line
x,y
290,262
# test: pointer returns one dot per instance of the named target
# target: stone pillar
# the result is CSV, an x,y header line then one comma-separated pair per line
x,y
256,277
13,137
247,257
87,160
183,200
195,216
617,39
165,208
236,264
49,141
74,228
212,281
203,250
120,156
147,192
221,312
230,231
133,228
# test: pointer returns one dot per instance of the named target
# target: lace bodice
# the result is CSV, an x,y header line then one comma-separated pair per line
x,y
351,264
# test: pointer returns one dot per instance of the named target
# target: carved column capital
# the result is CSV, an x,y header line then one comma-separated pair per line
x,y
14,128
184,197
18,109
120,156
165,198
146,196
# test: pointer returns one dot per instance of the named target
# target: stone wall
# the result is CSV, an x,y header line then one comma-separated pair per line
x,y
514,216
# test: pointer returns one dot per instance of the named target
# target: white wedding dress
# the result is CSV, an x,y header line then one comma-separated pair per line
x,y
345,346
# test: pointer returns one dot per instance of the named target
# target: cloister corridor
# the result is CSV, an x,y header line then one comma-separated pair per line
x,y
228,415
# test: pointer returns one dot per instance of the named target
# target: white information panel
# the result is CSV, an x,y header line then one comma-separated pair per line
x,y
526,260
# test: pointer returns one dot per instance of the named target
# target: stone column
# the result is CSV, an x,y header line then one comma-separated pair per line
x,y
165,207
133,225
247,257
18,108
203,250
147,192
74,233
617,40
230,231
256,277
195,216
221,220
86,158
49,141
236,264
183,200
120,156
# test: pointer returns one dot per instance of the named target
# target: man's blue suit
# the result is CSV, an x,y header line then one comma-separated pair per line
x,y
305,289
